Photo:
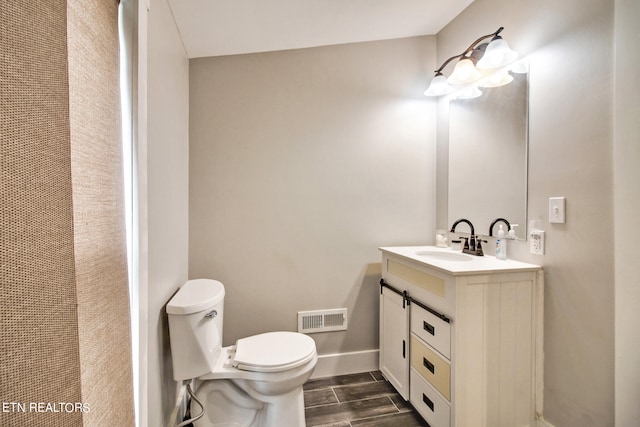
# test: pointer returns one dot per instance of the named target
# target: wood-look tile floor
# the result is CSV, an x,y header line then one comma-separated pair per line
x,y
357,400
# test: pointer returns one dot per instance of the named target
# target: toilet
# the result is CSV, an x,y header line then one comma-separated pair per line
x,y
255,383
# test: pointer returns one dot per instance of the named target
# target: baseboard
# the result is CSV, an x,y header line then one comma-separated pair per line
x,y
330,365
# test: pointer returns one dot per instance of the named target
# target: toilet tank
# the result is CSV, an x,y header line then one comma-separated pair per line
x,y
195,327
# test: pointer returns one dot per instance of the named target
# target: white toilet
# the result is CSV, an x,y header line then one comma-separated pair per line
x,y
255,383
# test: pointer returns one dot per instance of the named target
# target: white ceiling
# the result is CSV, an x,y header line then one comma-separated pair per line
x,y
227,27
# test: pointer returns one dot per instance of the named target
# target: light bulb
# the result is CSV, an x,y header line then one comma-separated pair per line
x,y
464,72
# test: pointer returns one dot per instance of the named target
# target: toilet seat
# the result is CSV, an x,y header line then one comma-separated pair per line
x,y
273,351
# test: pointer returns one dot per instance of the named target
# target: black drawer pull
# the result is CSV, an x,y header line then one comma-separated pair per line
x,y
429,328
430,366
427,401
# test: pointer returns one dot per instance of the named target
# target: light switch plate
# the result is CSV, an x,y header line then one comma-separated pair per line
x,y
556,210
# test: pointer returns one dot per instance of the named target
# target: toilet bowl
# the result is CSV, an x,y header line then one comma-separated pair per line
x,y
255,383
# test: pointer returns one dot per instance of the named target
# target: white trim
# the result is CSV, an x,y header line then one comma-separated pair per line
x,y
346,363
539,343
141,225
180,407
133,36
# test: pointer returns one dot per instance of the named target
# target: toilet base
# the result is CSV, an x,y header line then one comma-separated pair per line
x,y
283,410
228,403
225,405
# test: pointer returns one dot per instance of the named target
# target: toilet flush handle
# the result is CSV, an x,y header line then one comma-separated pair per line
x,y
211,314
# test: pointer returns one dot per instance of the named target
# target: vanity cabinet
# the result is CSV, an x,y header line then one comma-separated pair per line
x,y
394,339
474,333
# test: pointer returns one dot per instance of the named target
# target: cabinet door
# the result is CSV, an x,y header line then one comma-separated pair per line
x,y
394,340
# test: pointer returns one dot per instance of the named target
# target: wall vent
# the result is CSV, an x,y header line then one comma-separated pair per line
x,y
322,320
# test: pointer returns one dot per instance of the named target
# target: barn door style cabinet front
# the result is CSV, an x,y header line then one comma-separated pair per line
x,y
461,336
394,339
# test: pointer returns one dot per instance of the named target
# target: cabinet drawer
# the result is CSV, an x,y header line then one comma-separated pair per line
x,y
428,402
433,330
431,366
417,277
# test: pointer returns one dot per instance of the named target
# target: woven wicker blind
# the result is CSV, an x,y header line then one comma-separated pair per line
x,y
64,312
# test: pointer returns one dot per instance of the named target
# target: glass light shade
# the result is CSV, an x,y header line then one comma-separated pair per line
x,y
520,67
439,86
469,93
464,72
496,79
497,54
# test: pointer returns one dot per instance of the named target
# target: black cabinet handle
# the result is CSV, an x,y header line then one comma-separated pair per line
x,y
430,366
404,349
427,402
429,328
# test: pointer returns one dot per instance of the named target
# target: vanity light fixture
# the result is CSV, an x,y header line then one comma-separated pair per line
x,y
469,92
496,79
497,53
464,72
479,65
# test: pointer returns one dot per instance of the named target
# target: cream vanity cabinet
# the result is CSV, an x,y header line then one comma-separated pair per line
x,y
472,334
394,338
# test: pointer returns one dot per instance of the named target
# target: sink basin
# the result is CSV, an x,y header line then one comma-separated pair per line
x,y
444,256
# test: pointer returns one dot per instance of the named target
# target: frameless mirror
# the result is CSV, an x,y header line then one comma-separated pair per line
x,y
488,157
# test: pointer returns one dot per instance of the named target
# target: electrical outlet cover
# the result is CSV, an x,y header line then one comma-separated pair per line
x,y
536,242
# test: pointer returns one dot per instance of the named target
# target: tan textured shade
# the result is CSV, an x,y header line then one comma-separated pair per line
x,y
64,297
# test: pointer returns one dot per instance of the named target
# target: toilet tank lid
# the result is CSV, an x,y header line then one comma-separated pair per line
x,y
196,295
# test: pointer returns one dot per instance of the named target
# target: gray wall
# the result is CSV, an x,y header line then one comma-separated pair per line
x,y
303,163
284,235
165,163
627,205
571,149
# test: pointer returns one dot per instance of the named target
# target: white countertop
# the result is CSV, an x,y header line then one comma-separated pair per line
x,y
457,263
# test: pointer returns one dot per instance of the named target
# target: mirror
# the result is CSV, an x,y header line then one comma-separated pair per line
x,y
488,158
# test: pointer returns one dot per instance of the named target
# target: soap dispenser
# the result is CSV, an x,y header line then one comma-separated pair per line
x,y
501,245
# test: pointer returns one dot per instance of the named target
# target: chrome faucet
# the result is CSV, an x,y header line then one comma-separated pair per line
x,y
470,242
